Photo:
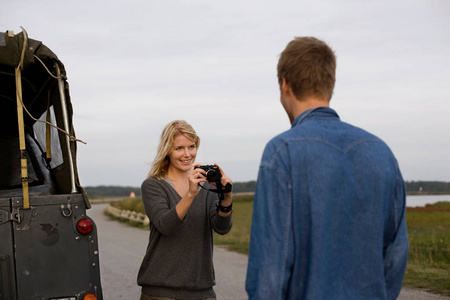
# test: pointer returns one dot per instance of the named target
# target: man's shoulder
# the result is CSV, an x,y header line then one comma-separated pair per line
x,y
278,140
338,133
276,148
361,135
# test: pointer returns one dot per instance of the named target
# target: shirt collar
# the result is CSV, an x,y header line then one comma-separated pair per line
x,y
321,111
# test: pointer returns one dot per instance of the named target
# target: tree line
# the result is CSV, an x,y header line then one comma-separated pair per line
x,y
427,187
125,191
412,188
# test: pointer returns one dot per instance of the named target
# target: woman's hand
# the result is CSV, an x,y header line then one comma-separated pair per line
x,y
195,177
224,181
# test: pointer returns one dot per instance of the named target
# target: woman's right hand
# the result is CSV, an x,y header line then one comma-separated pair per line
x,y
195,177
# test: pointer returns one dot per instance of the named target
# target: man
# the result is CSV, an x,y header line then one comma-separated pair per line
x,y
329,207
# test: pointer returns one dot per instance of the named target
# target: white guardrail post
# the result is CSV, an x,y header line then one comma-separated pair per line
x,y
128,215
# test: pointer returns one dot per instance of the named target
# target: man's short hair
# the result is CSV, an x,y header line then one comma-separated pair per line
x,y
309,67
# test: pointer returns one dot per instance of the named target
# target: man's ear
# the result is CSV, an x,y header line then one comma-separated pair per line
x,y
285,87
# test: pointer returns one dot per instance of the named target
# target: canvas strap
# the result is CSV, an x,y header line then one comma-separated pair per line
x,y
220,190
23,157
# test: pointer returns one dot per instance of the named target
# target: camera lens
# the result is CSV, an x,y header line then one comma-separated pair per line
x,y
211,175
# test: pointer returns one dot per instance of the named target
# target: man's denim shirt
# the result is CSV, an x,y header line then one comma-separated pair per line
x,y
328,216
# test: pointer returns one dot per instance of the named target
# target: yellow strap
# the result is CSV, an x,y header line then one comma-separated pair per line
x,y
23,159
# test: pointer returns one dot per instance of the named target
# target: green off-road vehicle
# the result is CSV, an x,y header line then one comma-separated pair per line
x,y
48,245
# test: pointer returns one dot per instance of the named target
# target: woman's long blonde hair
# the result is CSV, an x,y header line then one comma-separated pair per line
x,y
160,164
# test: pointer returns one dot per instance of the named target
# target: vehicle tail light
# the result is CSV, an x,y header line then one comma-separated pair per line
x,y
90,297
84,226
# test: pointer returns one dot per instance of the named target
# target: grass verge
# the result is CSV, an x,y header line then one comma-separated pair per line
x,y
239,236
429,248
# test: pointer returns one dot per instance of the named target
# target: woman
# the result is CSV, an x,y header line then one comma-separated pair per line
x,y
178,263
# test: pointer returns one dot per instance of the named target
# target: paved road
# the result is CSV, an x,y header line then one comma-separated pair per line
x,y
122,248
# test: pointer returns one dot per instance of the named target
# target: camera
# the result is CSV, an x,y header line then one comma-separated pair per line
x,y
212,173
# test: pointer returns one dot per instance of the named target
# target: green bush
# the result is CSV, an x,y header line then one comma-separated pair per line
x,y
133,204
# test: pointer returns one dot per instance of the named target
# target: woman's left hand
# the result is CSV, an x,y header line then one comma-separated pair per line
x,y
224,181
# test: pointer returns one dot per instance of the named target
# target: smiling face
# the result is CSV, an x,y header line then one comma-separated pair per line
x,y
183,154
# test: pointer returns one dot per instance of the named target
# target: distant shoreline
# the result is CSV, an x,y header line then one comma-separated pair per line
x,y
426,193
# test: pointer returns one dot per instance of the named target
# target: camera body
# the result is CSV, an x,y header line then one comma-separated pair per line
x,y
212,173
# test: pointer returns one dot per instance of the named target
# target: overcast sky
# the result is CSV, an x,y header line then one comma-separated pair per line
x,y
135,65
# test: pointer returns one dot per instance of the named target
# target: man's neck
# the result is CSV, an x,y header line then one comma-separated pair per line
x,y
300,106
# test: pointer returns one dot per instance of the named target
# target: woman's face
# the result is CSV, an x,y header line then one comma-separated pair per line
x,y
183,154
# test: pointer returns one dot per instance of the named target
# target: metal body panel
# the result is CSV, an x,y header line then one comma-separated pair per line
x,y
7,280
52,259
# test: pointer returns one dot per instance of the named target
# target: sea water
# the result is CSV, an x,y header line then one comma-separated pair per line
x,y
421,200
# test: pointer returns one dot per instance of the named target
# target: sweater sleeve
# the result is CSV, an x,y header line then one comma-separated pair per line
x,y
221,225
159,207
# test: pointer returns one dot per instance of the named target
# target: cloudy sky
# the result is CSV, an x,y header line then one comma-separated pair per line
x,y
135,65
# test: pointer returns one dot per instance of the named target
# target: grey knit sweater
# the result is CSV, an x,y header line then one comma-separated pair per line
x,y
179,258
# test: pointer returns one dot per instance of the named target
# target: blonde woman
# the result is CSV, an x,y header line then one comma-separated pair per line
x,y
178,263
